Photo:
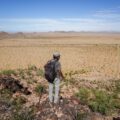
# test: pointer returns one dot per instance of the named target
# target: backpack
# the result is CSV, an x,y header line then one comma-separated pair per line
x,y
49,69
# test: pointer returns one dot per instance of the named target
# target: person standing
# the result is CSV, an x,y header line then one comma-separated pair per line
x,y
54,67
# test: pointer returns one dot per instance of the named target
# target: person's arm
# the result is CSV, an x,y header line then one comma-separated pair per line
x,y
61,74
58,70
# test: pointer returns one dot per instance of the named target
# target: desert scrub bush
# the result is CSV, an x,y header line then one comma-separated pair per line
x,y
83,95
23,114
83,71
8,72
117,103
31,81
68,74
28,72
98,100
5,100
102,102
72,73
72,81
32,67
18,101
40,72
5,95
39,89
69,79
17,104
81,116
117,86
21,73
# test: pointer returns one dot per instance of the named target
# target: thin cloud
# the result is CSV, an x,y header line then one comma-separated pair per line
x,y
108,13
83,20
29,21
62,24
46,21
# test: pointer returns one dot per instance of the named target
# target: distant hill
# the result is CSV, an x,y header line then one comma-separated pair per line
x,y
3,35
55,34
17,35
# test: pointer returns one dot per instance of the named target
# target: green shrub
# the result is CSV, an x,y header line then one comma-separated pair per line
x,y
28,72
72,81
103,102
21,73
26,114
39,89
40,72
5,95
19,101
31,80
117,103
98,100
8,72
83,95
32,67
117,86
81,116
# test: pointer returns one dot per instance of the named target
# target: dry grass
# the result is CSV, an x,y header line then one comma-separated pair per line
x,y
94,53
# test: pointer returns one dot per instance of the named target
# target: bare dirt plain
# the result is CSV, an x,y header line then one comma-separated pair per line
x,y
95,54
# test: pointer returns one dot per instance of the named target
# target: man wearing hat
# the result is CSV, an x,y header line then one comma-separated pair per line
x,y
59,75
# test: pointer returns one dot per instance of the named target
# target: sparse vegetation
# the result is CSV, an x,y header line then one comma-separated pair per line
x,y
5,95
81,116
117,87
84,95
18,101
98,100
39,89
32,67
8,72
96,58
40,72
31,80
21,73
83,71
103,102
23,114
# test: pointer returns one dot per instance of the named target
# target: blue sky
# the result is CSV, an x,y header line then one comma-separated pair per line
x,y
59,15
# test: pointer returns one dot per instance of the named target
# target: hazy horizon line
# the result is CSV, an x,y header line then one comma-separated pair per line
x,y
62,31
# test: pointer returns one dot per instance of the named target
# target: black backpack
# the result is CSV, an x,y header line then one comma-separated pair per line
x,y
49,69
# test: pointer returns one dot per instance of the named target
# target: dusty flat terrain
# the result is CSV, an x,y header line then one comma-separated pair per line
x,y
35,39
96,54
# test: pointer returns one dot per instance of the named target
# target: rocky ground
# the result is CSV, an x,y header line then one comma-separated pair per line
x,y
24,96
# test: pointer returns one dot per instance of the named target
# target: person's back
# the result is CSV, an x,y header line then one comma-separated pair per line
x,y
57,68
56,82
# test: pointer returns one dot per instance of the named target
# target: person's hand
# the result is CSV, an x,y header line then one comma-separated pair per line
x,y
63,78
